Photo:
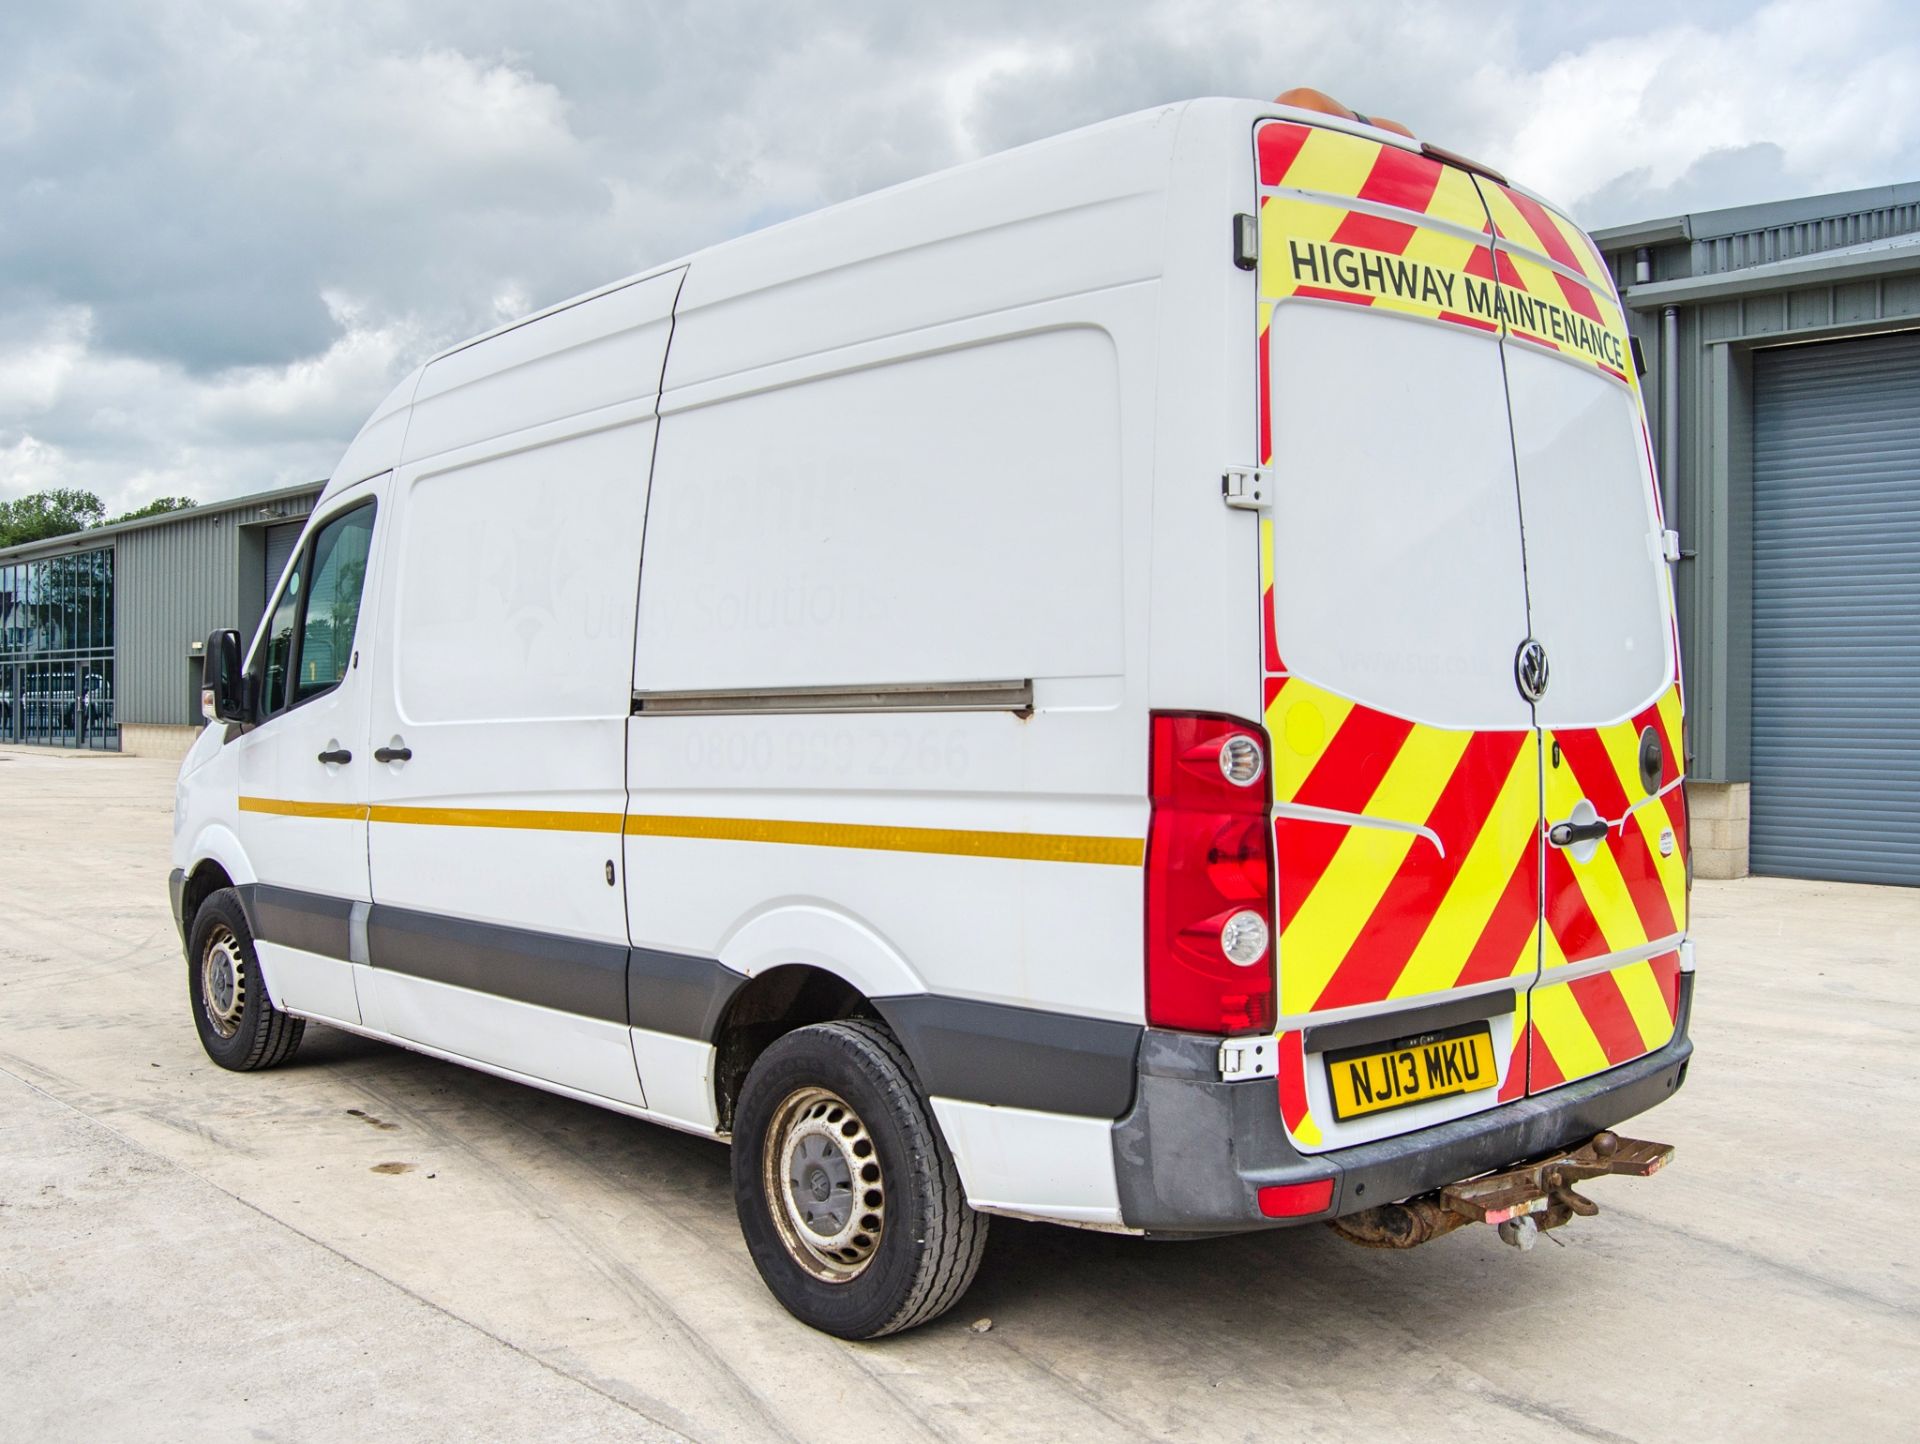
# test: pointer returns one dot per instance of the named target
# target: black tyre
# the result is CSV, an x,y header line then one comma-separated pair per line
x,y
238,1024
850,1203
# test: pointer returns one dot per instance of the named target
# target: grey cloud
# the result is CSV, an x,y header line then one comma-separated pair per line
x,y
264,214
1738,175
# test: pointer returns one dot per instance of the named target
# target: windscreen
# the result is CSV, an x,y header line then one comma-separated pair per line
x,y
1595,577
1397,571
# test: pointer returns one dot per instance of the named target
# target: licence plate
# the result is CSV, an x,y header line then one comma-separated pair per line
x,y
1378,1076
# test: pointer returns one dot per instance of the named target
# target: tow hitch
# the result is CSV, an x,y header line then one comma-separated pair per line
x,y
1522,1202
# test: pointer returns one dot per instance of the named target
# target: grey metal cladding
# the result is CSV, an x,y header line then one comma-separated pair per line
x,y
571,975
1836,610
1406,1022
311,922
1016,1057
175,581
678,993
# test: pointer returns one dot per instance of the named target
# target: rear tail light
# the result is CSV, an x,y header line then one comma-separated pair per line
x,y
1209,877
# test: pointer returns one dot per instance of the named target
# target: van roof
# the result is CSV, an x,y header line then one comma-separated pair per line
x,y
888,198
1109,162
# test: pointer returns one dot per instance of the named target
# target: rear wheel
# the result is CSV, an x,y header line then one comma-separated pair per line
x,y
238,1024
850,1202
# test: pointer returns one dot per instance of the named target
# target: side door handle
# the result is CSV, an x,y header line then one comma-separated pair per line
x,y
1568,834
393,754
338,755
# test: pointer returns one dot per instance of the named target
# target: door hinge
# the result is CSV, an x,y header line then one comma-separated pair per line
x,y
1242,1058
1670,545
1249,488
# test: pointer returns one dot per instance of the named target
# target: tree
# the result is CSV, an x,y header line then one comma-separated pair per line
x,y
48,514
159,506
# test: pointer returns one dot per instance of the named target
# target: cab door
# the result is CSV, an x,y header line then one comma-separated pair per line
x,y
302,765
1406,768
1613,835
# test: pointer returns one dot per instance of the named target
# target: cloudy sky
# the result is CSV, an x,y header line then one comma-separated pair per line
x,y
226,228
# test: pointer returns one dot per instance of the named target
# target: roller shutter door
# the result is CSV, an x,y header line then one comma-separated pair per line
x,y
1836,610
281,541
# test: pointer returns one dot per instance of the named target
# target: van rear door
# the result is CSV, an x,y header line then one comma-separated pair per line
x,y
1406,768
1600,601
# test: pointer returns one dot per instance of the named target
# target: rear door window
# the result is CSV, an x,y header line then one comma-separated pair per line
x,y
1397,567
1595,576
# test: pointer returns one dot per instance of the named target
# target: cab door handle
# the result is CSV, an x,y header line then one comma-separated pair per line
x,y
393,754
1567,834
338,754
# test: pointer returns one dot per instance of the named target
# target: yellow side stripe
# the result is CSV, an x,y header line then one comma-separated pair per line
x,y
526,819
1030,846
953,842
337,811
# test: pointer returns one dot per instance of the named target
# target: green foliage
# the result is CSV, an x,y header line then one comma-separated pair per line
x,y
48,514
63,510
159,506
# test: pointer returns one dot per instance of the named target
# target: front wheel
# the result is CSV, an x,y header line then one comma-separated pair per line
x,y
238,1024
850,1203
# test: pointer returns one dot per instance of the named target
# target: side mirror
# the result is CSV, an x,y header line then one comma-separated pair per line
x,y
221,684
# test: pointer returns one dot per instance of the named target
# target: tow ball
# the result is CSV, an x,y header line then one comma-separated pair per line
x,y
1522,1202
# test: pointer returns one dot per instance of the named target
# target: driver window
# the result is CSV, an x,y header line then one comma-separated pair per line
x,y
309,641
277,652
332,608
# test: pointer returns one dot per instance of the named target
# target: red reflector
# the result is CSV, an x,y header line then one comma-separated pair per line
x,y
1295,1200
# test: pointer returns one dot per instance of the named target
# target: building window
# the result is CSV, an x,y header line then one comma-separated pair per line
x,y
56,651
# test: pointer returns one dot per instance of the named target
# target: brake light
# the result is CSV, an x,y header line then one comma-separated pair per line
x,y
1209,877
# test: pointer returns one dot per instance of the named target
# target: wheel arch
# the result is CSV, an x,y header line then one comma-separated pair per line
x,y
806,960
766,1008
218,862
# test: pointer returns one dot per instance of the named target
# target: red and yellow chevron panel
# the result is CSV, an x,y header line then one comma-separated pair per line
x,y
1633,890
1296,1112
1353,220
1602,1020
1435,889
1359,221
1556,289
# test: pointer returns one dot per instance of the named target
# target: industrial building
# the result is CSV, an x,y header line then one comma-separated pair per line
x,y
101,631
1782,346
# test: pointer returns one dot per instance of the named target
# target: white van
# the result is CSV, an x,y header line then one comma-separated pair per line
x,y
1131,683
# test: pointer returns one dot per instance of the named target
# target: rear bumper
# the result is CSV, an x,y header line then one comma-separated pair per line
x,y
1193,1154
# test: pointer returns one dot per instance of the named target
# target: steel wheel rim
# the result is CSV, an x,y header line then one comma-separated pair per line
x,y
223,981
824,1186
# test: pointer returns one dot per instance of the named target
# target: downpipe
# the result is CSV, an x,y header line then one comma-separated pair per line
x,y
1519,1203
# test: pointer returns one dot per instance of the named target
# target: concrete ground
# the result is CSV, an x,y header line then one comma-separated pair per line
x,y
368,1244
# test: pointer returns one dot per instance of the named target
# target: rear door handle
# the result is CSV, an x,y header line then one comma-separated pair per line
x,y
338,754
1567,834
393,754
